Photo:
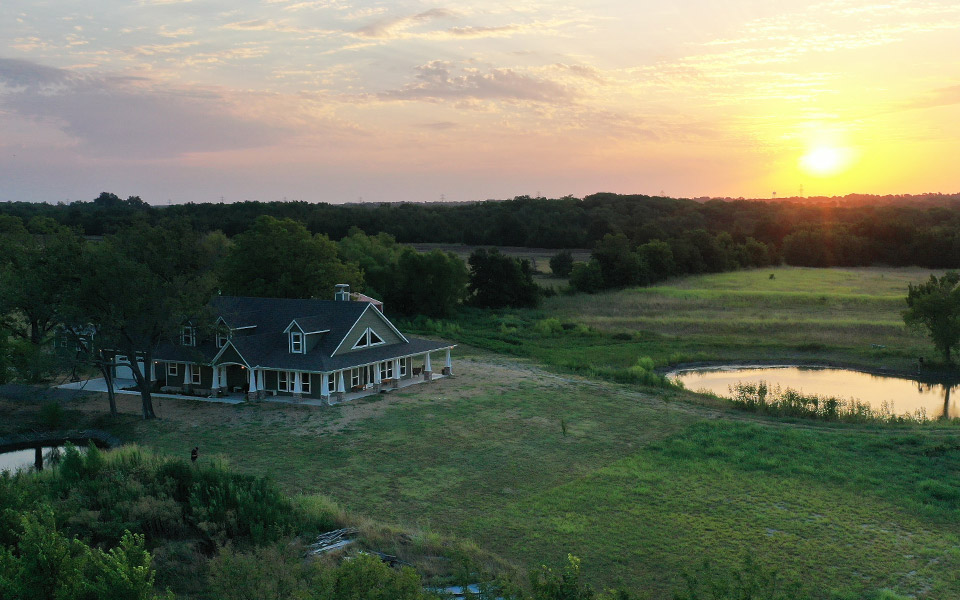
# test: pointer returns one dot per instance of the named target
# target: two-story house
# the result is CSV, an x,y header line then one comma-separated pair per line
x,y
319,349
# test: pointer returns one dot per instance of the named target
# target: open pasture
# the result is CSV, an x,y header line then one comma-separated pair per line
x,y
835,315
640,484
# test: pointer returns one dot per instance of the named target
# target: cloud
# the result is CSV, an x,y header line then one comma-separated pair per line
x,y
945,96
473,32
435,81
128,117
439,125
388,28
17,73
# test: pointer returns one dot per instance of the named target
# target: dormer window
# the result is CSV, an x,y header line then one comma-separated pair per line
x,y
369,338
188,336
296,342
222,339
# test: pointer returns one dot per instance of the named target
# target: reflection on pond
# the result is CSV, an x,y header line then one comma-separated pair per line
x,y
16,460
901,396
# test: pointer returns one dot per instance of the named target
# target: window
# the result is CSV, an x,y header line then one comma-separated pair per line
x,y
305,382
221,339
195,374
369,338
296,342
354,377
171,369
283,381
403,367
332,382
386,370
188,336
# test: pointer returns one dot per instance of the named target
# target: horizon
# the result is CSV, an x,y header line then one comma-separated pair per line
x,y
346,102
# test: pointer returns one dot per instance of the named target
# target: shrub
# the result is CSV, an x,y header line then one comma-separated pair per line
x,y
269,572
561,263
551,326
586,277
51,414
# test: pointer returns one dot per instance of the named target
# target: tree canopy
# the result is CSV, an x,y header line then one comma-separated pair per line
x,y
935,306
280,258
139,287
497,280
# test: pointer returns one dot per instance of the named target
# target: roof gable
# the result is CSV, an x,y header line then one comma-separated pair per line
x,y
370,313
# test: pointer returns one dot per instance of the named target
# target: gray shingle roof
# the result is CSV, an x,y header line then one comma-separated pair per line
x,y
266,345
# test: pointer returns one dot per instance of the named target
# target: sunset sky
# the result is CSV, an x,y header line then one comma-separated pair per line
x,y
337,100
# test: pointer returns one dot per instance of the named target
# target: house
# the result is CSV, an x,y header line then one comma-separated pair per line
x,y
318,349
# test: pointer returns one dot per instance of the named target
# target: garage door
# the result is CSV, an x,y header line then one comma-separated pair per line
x,y
123,370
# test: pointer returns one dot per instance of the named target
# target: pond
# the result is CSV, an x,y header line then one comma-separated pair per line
x,y
900,395
15,460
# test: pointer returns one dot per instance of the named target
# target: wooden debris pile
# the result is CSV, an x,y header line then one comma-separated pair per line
x,y
332,540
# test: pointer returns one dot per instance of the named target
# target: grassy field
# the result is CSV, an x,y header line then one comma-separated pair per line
x,y
642,484
844,316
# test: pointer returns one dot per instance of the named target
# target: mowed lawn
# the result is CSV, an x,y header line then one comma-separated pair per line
x,y
641,485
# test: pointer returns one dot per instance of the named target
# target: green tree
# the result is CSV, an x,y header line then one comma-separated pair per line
x,y
561,263
497,280
139,287
619,264
431,284
280,259
586,277
935,307
39,268
47,565
658,258
376,255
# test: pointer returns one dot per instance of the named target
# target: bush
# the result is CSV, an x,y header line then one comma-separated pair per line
x,y
48,564
551,326
586,277
561,263
51,414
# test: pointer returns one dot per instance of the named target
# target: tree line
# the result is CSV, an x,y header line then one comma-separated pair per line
x,y
848,231
137,285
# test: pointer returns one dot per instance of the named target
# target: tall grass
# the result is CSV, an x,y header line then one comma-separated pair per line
x,y
761,398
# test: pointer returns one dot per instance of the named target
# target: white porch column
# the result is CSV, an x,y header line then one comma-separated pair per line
x,y
377,379
261,382
252,383
186,375
448,367
427,369
396,372
325,385
216,378
297,384
340,387
153,371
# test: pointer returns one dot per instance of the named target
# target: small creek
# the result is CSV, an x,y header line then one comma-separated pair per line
x,y
901,396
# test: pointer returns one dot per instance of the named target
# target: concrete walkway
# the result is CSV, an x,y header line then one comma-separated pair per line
x,y
100,385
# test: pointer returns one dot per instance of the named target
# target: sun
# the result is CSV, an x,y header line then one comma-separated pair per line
x,y
824,161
